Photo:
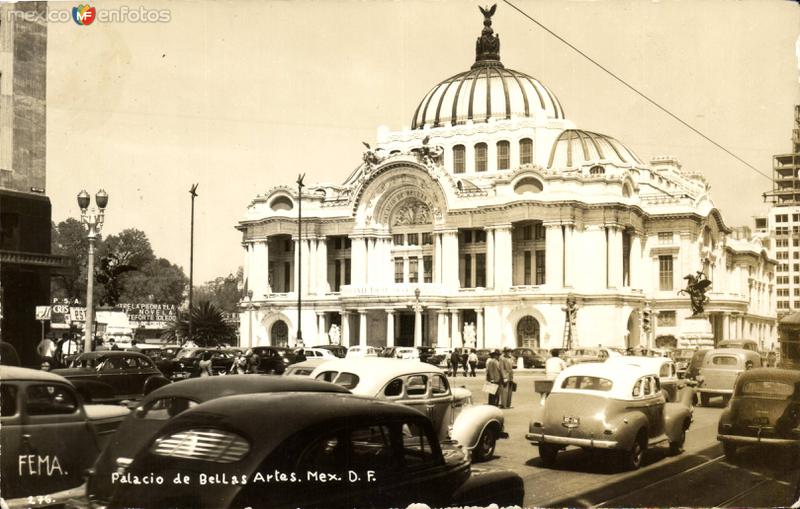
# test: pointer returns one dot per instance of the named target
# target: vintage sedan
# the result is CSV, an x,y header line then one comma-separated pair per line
x,y
159,407
720,368
662,367
305,368
322,451
338,350
764,411
530,359
187,363
621,410
682,358
273,359
425,387
112,375
49,438
358,351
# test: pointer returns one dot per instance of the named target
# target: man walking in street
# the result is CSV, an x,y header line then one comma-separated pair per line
x,y
494,375
507,370
554,365
455,360
473,362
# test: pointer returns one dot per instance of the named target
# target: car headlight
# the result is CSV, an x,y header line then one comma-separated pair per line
x,y
213,445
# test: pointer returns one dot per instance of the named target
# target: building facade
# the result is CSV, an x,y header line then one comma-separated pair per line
x,y
25,260
475,226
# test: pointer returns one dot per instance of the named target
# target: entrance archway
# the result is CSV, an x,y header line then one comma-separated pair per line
x,y
279,334
528,332
633,336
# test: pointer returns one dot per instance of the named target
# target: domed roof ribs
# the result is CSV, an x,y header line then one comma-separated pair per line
x,y
488,94
536,89
505,91
521,91
554,148
454,114
583,137
595,139
425,100
450,81
472,91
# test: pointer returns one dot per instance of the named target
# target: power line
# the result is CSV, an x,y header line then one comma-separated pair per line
x,y
648,99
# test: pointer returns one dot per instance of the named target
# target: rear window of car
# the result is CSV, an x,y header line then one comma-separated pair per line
x,y
163,409
724,360
766,389
50,399
587,383
346,380
8,400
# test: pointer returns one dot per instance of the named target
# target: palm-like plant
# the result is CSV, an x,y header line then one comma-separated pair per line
x,y
208,326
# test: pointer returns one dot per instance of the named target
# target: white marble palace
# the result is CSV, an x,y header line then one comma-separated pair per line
x,y
474,227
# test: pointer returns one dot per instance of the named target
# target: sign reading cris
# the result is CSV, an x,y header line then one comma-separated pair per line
x,y
150,312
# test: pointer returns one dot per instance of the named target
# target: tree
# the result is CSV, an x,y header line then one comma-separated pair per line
x,y
160,281
224,292
208,326
68,238
130,247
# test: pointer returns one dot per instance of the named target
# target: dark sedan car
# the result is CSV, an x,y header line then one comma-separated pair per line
x,y
338,350
158,407
428,354
273,359
186,363
764,410
695,363
483,356
111,375
322,450
530,359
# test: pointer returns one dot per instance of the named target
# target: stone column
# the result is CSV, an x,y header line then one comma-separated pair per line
x,y
406,269
554,256
502,257
311,266
726,318
296,277
322,267
489,257
417,325
259,269
614,256
479,338
246,267
362,327
345,341
420,269
437,257
321,336
455,334
358,260
304,245
594,266
390,327
570,256
450,259
636,261
441,330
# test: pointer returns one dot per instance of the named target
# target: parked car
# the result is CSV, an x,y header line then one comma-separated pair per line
x,y
186,363
305,368
428,354
621,410
317,439
361,351
425,387
273,359
695,363
163,405
745,344
112,375
682,358
765,410
49,438
406,352
483,356
324,353
386,351
583,355
662,367
530,359
338,350
720,368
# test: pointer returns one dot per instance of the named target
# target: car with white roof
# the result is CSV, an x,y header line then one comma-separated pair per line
x,y
619,408
424,387
663,367
361,351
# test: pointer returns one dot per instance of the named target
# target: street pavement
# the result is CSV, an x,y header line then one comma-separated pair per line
x,y
699,477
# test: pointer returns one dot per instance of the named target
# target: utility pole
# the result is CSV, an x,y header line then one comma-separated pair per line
x,y
193,192
299,340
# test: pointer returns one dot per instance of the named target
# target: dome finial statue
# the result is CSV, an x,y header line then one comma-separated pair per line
x,y
487,47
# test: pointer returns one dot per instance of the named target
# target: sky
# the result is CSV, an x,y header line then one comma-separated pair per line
x,y
241,96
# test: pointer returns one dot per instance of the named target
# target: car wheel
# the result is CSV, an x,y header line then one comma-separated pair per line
x,y
729,449
485,448
676,447
704,399
632,458
548,453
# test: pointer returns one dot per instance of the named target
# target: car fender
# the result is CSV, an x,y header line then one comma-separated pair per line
x,y
627,425
677,417
486,487
92,390
471,422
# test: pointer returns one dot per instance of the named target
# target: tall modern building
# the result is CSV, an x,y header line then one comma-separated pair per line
x,y
476,226
782,223
25,260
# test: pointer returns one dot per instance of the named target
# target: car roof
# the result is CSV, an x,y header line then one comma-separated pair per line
x,y
212,387
109,353
311,363
732,351
623,376
790,376
284,414
375,372
16,373
650,363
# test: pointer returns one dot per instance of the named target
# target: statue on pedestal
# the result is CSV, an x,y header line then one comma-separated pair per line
x,y
334,334
469,335
696,287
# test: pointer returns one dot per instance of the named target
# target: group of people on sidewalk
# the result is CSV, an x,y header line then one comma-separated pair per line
x,y
469,361
500,371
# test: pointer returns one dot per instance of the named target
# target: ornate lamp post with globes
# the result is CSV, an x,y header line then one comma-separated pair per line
x,y
92,220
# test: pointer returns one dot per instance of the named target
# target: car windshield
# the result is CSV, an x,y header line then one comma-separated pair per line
x,y
186,354
86,362
766,389
588,383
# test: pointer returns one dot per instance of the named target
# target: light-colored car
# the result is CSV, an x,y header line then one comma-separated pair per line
x,y
406,352
663,367
361,351
426,388
621,409
721,367
313,353
306,367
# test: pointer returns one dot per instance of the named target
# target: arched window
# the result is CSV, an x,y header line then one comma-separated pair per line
x,y
525,151
597,170
528,185
281,203
459,163
503,158
480,157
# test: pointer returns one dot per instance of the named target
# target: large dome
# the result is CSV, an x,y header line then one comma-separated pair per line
x,y
575,148
487,90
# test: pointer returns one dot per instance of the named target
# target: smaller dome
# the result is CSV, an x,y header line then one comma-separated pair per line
x,y
575,148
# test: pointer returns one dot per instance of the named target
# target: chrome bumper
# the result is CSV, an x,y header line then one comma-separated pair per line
x,y
721,392
741,439
538,438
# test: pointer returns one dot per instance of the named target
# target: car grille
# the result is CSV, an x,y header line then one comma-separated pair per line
x,y
203,444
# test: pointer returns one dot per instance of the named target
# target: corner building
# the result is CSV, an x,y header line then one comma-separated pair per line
x,y
474,226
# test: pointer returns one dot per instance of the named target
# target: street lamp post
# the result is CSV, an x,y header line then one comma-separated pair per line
x,y
193,192
250,308
299,341
93,222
